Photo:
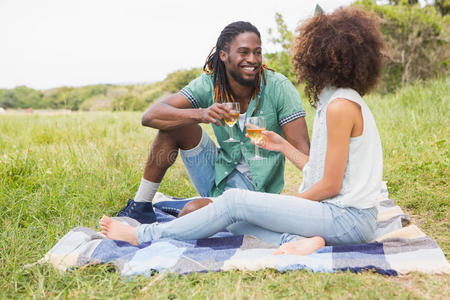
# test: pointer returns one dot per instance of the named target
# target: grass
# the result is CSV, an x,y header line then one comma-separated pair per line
x,y
67,170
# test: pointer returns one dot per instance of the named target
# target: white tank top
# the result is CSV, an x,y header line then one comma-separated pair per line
x,y
361,184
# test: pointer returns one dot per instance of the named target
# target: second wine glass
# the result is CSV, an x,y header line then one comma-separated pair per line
x,y
255,127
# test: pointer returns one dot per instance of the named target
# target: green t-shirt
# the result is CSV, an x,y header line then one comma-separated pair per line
x,y
278,102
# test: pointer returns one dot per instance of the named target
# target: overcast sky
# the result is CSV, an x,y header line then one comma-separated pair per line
x,y
51,43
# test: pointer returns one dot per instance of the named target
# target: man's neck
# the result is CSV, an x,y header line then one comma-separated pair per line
x,y
241,94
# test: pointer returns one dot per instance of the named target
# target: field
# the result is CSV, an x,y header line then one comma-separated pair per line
x,y
58,171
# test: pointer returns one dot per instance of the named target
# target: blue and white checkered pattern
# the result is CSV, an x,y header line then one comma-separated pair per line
x,y
397,250
190,97
291,118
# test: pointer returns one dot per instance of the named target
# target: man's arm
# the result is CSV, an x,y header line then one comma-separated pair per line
x,y
176,111
296,133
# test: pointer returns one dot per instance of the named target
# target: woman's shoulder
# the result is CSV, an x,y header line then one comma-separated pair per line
x,y
342,111
346,93
343,106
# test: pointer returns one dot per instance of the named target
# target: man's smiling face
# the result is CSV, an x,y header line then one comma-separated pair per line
x,y
244,58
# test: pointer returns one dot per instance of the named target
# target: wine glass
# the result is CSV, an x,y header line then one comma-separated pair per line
x,y
234,112
255,126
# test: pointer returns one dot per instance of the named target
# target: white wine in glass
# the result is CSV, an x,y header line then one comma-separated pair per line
x,y
255,127
235,116
235,110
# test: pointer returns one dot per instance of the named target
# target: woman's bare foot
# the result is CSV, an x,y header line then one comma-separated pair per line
x,y
302,246
115,230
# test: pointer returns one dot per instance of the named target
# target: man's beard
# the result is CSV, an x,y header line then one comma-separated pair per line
x,y
244,82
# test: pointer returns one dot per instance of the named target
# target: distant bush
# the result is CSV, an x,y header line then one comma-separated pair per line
x,y
70,97
97,103
417,39
128,102
153,95
177,80
21,97
116,92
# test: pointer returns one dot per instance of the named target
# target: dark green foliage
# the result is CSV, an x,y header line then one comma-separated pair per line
x,y
20,96
417,40
443,6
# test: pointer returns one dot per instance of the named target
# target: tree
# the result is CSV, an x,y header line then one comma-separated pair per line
x,y
20,97
443,6
281,61
417,40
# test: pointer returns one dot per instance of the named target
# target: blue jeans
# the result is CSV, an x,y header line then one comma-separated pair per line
x,y
273,218
200,161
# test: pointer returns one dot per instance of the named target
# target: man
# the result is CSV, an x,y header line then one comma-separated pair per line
x,y
233,73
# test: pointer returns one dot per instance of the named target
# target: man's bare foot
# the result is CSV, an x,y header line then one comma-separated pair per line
x,y
115,230
302,246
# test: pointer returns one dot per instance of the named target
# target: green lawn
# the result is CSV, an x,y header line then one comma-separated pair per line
x,y
62,171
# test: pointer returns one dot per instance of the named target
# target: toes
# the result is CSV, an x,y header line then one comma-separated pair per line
x,y
107,233
105,220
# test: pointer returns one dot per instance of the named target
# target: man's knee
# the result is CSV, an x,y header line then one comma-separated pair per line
x,y
186,137
194,205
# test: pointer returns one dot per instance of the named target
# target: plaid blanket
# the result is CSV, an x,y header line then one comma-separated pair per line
x,y
399,248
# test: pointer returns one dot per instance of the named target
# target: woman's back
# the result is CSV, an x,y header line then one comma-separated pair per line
x,y
363,174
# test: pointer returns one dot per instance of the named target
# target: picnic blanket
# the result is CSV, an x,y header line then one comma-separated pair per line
x,y
399,247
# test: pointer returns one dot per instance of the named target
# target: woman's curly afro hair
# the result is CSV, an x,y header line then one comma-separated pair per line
x,y
342,49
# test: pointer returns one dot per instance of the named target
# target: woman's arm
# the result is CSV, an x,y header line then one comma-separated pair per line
x,y
342,115
274,142
296,133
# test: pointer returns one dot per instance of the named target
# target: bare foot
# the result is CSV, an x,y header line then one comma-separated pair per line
x,y
301,247
115,230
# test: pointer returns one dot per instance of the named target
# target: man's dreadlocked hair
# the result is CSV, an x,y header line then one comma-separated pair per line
x,y
214,65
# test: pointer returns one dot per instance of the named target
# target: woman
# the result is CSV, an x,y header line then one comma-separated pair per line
x,y
338,57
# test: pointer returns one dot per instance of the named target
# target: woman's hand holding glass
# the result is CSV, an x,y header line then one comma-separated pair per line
x,y
255,125
271,141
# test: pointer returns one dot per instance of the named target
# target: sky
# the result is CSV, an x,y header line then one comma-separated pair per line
x,y
52,43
